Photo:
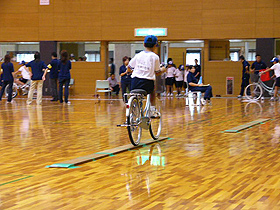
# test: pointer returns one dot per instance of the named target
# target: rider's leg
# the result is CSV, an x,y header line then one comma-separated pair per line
x,y
275,91
19,82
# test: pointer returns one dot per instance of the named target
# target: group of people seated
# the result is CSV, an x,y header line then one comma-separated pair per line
x,y
187,78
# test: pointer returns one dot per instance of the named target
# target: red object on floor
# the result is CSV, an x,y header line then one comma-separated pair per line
x,y
265,77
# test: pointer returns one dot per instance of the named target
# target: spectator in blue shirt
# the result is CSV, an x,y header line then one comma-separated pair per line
x,y
245,76
54,76
125,76
64,67
7,77
112,66
193,86
256,66
38,77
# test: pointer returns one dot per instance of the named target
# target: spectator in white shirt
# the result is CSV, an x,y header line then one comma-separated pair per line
x,y
179,79
169,81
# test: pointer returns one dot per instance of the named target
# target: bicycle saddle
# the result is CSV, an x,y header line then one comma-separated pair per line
x,y
139,91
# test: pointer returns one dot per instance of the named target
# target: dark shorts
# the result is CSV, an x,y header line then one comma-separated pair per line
x,y
144,84
179,84
23,80
277,82
169,81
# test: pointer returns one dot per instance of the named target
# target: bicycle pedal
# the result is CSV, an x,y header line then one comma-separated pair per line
x,y
155,117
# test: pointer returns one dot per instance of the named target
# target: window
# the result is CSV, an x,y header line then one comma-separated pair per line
x,y
19,50
191,55
245,47
82,51
234,54
251,55
92,56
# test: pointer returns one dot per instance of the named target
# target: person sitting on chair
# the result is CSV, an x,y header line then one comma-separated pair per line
x,y
114,85
193,86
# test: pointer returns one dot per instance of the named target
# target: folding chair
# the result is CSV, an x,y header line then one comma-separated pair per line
x,y
102,86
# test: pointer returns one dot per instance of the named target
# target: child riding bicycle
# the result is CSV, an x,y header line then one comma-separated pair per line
x,y
144,67
276,68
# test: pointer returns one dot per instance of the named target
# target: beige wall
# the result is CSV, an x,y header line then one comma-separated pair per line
x,y
65,20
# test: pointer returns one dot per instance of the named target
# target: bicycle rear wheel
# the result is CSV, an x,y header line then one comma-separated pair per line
x,y
253,91
155,125
133,121
14,93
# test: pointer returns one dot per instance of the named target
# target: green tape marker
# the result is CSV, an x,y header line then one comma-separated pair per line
x,y
169,138
105,153
60,165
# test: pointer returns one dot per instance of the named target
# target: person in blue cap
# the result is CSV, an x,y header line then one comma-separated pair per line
x,y
276,68
144,67
25,75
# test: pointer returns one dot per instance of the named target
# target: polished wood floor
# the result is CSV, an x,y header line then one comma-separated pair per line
x,y
199,168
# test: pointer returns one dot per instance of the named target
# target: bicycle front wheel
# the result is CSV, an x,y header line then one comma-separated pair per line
x,y
14,93
133,121
155,125
253,91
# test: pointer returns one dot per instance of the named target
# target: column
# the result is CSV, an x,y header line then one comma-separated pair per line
x,y
46,49
104,54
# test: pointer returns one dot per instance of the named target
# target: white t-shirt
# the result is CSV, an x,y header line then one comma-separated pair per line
x,y
170,72
144,65
276,68
179,75
24,72
186,76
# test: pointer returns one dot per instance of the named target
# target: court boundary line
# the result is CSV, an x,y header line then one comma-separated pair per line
x,y
16,180
102,154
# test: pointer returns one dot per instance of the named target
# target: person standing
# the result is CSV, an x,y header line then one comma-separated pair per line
x,y
245,75
64,76
169,81
38,74
197,70
7,78
125,76
256,66
179,79
112,66
54,76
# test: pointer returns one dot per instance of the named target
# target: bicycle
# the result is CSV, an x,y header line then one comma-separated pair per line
x,y
255,90
138,118
16,87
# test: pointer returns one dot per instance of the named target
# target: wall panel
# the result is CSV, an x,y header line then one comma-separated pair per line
x,y
115,20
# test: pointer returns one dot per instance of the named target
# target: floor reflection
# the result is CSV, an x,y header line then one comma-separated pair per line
x,y
144,168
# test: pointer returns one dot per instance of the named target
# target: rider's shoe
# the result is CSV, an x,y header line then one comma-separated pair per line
x,y
273,99
239,96
154,112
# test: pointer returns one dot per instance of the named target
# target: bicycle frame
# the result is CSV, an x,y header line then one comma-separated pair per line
x,y
270,90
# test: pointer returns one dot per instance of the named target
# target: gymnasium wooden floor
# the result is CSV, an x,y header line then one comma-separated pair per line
x,y
199,168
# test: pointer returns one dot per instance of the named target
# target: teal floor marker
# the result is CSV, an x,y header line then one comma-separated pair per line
x,y
98,155
246,126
